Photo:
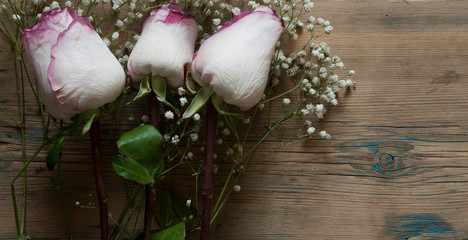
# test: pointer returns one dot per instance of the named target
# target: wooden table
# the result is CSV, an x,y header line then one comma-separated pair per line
x,y
396,167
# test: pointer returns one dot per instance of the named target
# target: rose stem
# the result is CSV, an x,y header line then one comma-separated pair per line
x,y
150,196
207,187
99,177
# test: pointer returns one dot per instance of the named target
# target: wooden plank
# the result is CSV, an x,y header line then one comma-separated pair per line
x,y
395,169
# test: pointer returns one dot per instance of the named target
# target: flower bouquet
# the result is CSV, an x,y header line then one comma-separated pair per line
x,y
216,76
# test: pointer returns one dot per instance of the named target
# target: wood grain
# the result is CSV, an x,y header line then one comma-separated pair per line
x,y
396,167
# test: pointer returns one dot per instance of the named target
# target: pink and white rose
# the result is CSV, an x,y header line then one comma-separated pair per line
x,y
165,46
75,69
235,61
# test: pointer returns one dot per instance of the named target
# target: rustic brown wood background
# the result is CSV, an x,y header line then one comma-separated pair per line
x,y
396,168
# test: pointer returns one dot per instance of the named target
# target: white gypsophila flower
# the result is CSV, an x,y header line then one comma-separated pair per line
x,y
311,19
169,114
90,18
328,29
312,91
323,134
310,107
315,80
351,72
196,117
310,130
175,140
183,101
261,106
236,188
45,9
125,58
118,52
119,23
190,155
320,21
334,102
16,17
194,137
226,131
286,101
106,41
132,6
188,203
275,82
246,121
266,1
216,21
229,151
349,82
305,112
219,141
308,123
144,118
236,11
167,137
54,5
115,35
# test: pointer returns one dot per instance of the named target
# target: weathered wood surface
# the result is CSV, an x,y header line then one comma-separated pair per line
x,y
396,168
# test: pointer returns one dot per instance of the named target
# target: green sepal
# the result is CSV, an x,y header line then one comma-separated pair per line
x,y
220,107
117,104
88,117
145,88
158,84
191,84
198,101
54,153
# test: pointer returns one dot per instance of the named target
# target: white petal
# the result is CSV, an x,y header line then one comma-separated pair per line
x,y
83,73
56,19
38,44
164,47
235,61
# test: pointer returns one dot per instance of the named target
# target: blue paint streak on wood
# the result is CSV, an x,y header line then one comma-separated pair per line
x,y
3,71
415,225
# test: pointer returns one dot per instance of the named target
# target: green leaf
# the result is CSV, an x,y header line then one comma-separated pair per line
x,y
176,232
200,99
158,84
131,170
171,208
220,107
144,145
145,88
54,153
164,211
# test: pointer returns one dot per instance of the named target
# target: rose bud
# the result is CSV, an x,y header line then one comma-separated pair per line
x,y
165,46
235,61
75,69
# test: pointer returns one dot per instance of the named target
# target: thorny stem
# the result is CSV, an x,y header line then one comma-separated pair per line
x,y
99,178
150,196
207,186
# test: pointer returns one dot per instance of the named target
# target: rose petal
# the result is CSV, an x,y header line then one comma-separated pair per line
x,y
83,72
165,46
56,19
38,44
236,60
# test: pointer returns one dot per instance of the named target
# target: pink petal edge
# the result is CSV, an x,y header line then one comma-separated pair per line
x,y
77,20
